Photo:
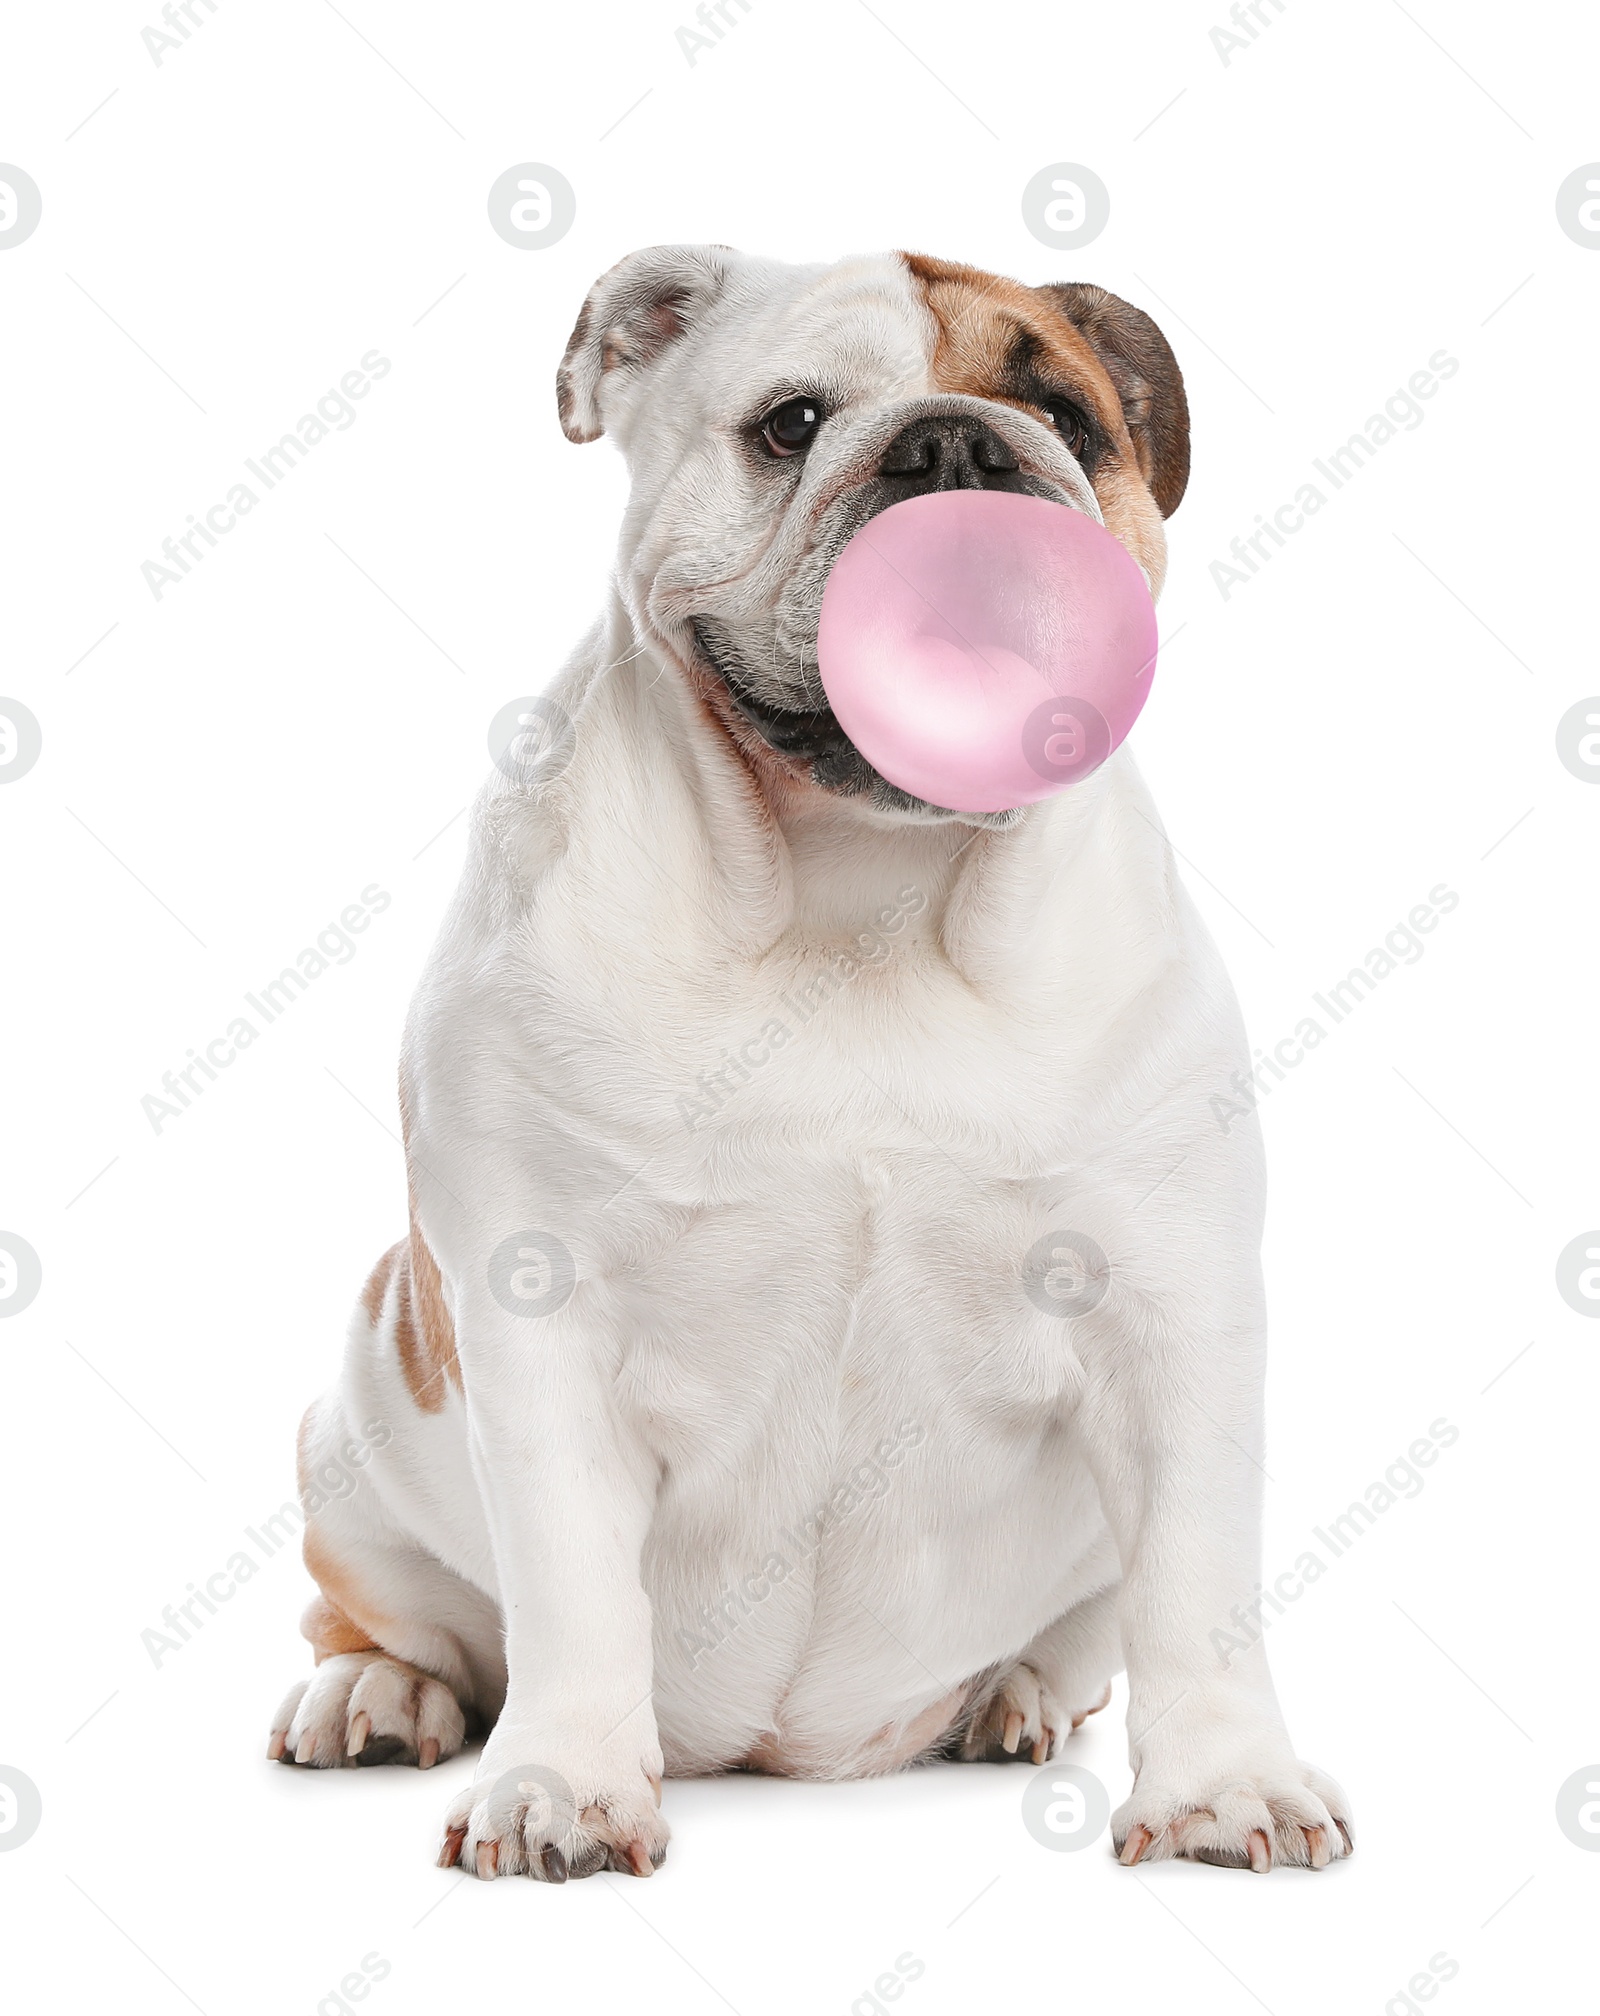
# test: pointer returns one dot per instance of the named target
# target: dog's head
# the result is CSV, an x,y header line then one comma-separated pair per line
x,y
768,411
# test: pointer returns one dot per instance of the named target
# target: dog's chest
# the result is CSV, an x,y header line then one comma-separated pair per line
x,y
857,1152
836,1174
830,1345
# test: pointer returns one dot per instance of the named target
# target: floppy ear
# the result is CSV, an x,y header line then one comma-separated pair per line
x,y
1140,364
633,313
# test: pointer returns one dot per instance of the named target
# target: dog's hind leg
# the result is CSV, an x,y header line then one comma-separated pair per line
x,y
1028,1706
409,1654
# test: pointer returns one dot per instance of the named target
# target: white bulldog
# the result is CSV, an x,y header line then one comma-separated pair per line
x,y
830,1332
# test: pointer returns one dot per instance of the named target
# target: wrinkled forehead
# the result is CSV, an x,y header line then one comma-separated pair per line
x,y
857,330
883,327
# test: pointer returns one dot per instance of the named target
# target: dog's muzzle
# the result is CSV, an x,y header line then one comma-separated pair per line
x,y
931,452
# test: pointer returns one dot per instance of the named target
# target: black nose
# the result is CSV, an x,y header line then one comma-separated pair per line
x,y
950,451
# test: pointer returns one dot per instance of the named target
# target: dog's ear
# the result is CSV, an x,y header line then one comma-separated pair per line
x,y
1139,361
633,313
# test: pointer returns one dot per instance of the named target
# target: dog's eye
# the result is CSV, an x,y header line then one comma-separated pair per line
x,y
1069,423
787,429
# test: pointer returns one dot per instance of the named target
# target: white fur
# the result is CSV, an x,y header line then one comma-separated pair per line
x,y
829,1265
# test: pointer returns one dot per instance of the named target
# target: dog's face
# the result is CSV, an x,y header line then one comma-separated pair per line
x,y
768,411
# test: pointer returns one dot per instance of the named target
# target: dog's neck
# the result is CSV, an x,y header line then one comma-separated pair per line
x,y
848,866
1075,895
839,861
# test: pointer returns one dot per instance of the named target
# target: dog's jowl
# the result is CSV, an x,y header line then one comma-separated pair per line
x,y
824,1271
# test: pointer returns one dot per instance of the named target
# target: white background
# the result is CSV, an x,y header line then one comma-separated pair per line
x,y
227,768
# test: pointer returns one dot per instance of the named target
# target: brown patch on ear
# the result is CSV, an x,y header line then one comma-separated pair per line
x,y
660,324
634,312
639,343
1140,364
576,426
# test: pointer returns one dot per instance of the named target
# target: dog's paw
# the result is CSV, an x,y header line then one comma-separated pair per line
x,y
1294,1815
555,1821
1021,1717
366,1708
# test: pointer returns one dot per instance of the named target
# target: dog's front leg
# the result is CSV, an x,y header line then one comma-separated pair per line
x,y
1174,1418
570,1780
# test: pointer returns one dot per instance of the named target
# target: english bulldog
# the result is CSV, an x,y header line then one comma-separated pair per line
x,y
830,1332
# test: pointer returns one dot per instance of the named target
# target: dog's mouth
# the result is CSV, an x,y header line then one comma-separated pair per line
x,y
805,733
810,738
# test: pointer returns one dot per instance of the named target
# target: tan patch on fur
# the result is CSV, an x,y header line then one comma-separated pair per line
x,y
338,1619
328,1630
406,1290
372,1296
977,320
424,1335
330,1622
424,1332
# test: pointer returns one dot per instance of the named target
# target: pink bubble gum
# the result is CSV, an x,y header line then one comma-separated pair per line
x,y
984,650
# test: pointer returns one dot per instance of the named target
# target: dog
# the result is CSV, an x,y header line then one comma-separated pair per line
x,y
830,1333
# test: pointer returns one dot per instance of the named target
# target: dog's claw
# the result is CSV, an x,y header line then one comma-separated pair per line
x,y
277,1744
639,1858
1139,1839
1345,1836
553,1862
488,1859
1316,1846
1041,1749
450,1850
428,1753
1260,1852
1013,1732
360,1730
